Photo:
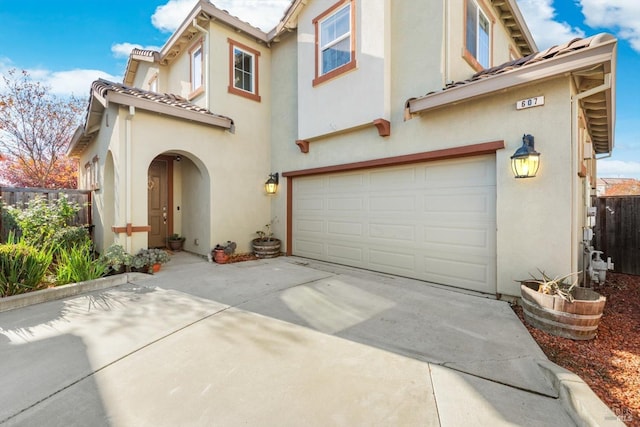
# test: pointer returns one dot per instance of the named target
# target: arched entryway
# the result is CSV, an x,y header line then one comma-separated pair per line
x,y
179,201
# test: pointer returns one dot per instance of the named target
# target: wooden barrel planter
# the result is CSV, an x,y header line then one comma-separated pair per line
x,y
577,320
266,248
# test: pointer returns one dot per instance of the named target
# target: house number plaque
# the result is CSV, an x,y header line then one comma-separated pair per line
x,y
530,103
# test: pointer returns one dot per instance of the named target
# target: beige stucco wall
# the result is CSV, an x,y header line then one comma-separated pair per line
x,y
363,93
146,71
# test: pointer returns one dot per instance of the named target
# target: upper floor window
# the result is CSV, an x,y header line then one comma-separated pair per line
x,y
197,67
335,41
478,36
243,70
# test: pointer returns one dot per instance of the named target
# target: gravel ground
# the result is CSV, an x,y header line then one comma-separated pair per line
x,y
610,363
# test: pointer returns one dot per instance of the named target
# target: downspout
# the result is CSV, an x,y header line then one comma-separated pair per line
x,y
128,167
446,43
206,59
575,109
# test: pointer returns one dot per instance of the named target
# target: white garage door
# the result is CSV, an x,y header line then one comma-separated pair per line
x,y
431,221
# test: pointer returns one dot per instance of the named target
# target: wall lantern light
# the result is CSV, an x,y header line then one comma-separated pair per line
x,y
526,160
272,183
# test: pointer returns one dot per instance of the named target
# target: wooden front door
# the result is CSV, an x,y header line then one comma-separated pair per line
x,y
158,200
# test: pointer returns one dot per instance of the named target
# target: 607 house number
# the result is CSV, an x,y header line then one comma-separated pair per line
x,y
530,103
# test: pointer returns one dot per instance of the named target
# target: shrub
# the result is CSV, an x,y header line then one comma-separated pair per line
x,y
78,264
22,267
116,258
68,237
148,257
40,220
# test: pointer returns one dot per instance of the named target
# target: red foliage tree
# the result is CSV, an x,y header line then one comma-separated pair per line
x,y
35,131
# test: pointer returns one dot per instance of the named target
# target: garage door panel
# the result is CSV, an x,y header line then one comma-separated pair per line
x,y
346,254
392,204
464,274
457,203
433,221
347,182
346,204
310,205
392,262
460,237
308,248
460,173
395,178
312,184
342,229
310,226
393,232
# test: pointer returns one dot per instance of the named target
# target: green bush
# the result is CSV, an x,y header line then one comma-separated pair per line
x,y
40,219
68,237
77,264
22,268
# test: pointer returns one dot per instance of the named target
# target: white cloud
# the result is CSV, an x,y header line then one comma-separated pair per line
x,y
608,168
546,31
71,82
623,16
169,16
122,50
62,83
264,14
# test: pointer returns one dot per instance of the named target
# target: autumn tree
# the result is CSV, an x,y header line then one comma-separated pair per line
x,y
35,130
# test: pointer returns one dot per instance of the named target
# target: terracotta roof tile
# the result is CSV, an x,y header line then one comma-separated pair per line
x,y
552,52
102,86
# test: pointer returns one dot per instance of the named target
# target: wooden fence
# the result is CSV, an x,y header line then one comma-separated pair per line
x,y
617,231
19,197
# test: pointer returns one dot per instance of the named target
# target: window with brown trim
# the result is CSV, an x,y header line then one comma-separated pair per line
x,y
335,41
196,60
243,70
478,40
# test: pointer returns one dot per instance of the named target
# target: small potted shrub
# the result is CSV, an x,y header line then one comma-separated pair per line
x,y
117,259
149,260
221,253
175,242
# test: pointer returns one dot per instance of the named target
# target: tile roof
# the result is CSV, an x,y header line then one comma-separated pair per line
x,y
144,52
552,52
104,91
102,86
590,60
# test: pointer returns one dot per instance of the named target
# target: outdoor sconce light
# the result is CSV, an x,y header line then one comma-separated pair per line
x,y
272,183
525,161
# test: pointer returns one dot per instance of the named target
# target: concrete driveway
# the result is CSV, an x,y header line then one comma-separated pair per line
x,y
282,342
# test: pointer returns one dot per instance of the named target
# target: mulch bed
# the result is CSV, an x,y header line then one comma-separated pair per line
x,y
610,363
241,257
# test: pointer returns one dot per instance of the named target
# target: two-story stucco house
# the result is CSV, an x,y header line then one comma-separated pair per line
x,y
391,124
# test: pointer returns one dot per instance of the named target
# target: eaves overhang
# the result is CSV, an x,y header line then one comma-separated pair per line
x,y
595,57
204,12
104,93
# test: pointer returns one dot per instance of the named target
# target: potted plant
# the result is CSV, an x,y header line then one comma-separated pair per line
x,y
149,260
265,245
559,307
221,253
175,242
117,259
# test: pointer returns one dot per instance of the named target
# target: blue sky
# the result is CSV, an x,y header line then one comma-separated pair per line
x,y
69,43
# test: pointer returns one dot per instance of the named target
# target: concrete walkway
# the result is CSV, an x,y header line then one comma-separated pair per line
x,y
282,342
